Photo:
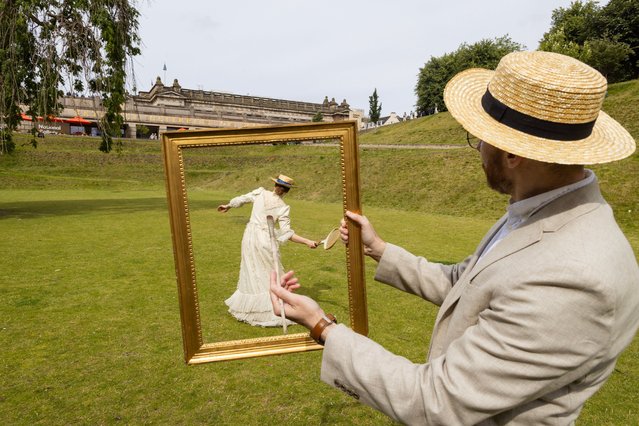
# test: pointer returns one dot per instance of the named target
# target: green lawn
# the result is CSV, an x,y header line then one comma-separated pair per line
x,y
89,324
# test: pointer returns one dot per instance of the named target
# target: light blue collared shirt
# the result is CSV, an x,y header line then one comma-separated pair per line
x,y
521,211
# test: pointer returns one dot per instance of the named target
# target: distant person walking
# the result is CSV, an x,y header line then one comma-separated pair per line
x,y
251,301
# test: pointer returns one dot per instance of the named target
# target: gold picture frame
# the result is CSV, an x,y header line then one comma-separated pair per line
x,y
196,351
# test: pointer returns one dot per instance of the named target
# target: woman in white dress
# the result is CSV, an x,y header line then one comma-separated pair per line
x,y
251,302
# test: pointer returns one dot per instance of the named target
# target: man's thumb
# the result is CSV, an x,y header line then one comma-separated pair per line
x,y
355,217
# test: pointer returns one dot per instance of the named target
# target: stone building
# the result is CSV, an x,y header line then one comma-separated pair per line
x,y
166,108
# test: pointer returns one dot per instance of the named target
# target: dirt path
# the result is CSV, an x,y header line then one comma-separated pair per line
x,y
411,146
379,146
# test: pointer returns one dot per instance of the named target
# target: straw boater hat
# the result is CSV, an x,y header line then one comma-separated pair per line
x,y
539,105
284,181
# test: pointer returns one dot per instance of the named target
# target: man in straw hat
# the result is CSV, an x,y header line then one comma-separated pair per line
x,y
530,325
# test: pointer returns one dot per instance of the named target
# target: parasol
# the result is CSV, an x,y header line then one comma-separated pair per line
x,y
77,120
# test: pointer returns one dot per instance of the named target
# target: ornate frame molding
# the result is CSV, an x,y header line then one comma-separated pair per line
x,y
173,143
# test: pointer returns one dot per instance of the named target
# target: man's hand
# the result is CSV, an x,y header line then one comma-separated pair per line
x,y
301,309
223,208
374,246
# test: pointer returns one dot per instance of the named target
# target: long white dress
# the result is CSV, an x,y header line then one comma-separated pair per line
x,y
251,302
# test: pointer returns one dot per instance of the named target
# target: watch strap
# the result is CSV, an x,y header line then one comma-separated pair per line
x,y
325,321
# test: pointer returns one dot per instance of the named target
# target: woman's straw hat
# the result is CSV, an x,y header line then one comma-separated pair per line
x,y
539,105
284,181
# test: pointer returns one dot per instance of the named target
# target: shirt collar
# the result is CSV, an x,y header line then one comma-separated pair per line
x,y
520,211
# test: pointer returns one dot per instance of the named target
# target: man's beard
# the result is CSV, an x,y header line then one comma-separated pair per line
x,y
494,171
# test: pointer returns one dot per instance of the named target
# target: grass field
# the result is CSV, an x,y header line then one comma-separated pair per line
x,y
89,320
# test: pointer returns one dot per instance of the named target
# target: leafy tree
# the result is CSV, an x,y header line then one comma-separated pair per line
x,y
578,22
609,57
318,117
431,82
621,21
142,130
439,70
375,107
557,42
45,45
606,38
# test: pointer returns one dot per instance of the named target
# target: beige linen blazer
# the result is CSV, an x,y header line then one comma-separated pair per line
x,y
523,337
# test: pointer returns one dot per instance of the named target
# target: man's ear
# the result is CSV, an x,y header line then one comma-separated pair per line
x,y
512,160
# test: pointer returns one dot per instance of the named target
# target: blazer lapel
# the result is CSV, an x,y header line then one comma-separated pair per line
x,y
458,288
548,219
516,240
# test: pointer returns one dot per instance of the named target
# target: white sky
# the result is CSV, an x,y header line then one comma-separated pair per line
x,y
306,50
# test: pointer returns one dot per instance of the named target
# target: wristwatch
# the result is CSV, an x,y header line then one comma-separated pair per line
x,y
325,321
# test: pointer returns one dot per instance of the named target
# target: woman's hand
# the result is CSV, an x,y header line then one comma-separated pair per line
x,y
374,246
301,309
223,208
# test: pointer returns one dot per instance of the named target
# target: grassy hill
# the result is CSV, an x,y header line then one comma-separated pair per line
x,y
438,129
452,182
448,181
